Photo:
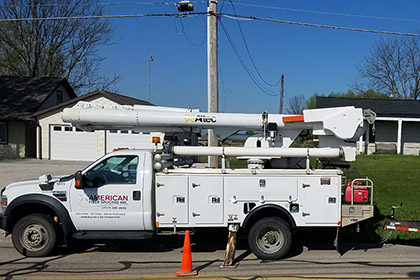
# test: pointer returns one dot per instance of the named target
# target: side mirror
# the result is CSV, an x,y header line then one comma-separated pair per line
x,y
78,180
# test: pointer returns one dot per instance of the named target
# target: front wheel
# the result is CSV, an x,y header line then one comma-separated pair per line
x,y
270,238
34,235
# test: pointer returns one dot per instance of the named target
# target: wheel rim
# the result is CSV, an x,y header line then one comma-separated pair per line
x,y
35,237
270,240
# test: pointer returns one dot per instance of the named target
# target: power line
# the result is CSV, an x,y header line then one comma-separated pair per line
x,y
182,31
249,53
319,25
221,6
325,13
237,3
190,14
90,4
256,82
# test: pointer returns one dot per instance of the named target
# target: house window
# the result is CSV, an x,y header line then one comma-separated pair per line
x,y
3,132
59,96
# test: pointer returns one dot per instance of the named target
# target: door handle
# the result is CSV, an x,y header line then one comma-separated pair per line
x,y
136,195
194,185
306,185
305,214
159,214
195,214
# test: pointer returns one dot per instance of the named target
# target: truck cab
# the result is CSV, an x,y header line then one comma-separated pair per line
x,y
112,196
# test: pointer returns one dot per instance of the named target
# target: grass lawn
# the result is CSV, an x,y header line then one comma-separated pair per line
x,y
396,179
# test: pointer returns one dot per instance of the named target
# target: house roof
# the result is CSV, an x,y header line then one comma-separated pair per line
x,y
117,98
397,108
22,96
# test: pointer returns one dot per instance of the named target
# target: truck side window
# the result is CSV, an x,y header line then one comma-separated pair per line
x,y
113,170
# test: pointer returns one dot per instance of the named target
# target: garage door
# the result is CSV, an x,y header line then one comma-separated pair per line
x,y
127,139
70,143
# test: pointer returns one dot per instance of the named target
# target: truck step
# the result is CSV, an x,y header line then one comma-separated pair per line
x,y
172,232
102,234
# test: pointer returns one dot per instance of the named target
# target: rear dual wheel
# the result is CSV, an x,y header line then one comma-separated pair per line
x,y
270,238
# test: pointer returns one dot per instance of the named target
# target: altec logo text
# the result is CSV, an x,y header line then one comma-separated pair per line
x,y
200,118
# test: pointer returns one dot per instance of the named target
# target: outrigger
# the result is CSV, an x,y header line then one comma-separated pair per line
x,y
394,224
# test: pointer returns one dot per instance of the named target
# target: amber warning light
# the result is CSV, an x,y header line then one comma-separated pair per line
x,y
4,201
155,139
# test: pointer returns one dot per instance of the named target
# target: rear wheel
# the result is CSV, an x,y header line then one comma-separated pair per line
x,y
34,235
270,238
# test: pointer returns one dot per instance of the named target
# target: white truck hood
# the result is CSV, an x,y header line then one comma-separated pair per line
x,y
45,183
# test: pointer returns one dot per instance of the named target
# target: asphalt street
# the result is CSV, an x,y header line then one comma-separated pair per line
x,y
160,257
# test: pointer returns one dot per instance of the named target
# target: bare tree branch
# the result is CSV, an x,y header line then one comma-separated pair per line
x,y
393,67
65,48
296,105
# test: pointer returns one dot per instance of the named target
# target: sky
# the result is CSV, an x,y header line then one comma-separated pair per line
x,y
312,59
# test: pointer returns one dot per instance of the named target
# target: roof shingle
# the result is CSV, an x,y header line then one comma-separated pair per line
x,y
22,96
397,108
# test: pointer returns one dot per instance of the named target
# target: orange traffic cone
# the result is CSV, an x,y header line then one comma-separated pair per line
x,y
186,264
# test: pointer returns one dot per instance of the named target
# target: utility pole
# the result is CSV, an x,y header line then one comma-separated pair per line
x,y
281,94
212,71
150,59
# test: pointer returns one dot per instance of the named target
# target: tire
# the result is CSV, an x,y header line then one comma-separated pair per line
x,y
34,235
270,238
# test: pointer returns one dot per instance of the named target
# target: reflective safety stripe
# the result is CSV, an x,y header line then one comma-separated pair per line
x,y
403,228
293,119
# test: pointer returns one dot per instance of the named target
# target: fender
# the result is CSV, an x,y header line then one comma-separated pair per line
x,y
62,213
268,207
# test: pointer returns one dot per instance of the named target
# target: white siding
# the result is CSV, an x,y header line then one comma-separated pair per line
x,y
54,118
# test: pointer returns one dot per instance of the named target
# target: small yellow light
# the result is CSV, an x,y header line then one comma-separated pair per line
x,y
56,219
155,139
157,224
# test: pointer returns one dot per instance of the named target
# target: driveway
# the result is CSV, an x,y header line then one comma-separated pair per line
x,y
23,169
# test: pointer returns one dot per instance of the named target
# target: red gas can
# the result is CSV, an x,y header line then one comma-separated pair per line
x,y
360,193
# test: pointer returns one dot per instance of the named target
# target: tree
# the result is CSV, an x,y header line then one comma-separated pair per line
x,y
65,47
297,104
311,102
393,67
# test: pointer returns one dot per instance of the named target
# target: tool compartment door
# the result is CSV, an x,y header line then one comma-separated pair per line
x,y
321,200
206,198
172,200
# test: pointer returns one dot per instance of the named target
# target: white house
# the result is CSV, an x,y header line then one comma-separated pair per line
x,y
20,98
59,141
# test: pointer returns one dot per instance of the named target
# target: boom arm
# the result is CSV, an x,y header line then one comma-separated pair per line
x,y
335,127
341,122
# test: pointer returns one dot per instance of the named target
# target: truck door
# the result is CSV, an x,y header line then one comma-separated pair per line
x,y
171,200
206,200
112,196
321,200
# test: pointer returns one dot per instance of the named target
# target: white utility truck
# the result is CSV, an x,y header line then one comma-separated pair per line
x,y
138,193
